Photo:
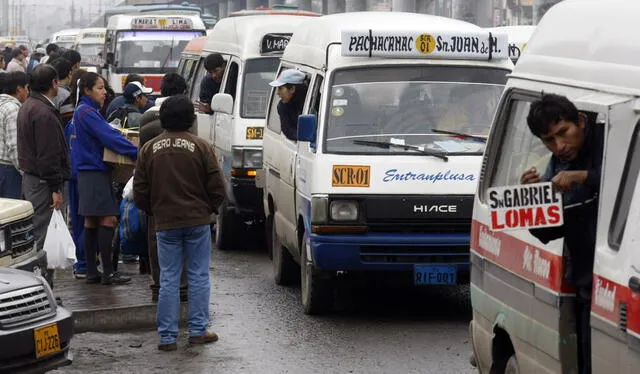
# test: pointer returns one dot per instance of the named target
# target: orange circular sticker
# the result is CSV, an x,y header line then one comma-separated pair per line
x,y
425,44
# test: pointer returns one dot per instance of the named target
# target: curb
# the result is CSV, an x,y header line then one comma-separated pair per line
x,y
135,317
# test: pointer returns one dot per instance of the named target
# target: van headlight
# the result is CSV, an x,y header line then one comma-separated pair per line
x,y
344,210
246,158
3,242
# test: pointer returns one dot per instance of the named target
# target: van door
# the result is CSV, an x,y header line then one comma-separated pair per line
x,y
204,122
615,310
223,122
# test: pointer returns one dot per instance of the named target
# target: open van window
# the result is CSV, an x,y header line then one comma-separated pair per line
x,y
255,93
388,104
625,193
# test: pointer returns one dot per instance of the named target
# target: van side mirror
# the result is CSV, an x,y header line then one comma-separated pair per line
x,y
222,103
110,58
307,125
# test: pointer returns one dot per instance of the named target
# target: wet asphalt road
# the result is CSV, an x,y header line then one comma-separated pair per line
x,y
263,330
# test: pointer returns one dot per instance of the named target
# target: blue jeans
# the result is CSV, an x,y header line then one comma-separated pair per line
x,y
77,228
195,243
10,182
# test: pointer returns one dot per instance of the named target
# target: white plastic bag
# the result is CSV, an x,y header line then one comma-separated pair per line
x,y
61,251
128,190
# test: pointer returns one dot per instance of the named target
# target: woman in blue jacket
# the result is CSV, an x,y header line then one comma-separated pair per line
x,y
97,200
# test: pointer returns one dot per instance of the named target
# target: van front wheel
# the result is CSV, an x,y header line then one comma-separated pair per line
x,y
316,286
512,366
284,267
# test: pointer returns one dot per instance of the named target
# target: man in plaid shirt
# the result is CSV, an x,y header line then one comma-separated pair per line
x,y
14,89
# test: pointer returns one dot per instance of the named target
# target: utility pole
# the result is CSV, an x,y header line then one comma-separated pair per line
x,y
73,13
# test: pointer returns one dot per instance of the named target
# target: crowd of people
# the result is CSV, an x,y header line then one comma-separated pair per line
x,y
58,119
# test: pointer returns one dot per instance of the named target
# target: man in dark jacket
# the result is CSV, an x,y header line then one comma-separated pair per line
x,y
179,182
215,65
42,149
292,91
574,169
172,84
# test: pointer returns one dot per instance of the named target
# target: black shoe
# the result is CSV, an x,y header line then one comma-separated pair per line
x,y
115,278
145,268
94,279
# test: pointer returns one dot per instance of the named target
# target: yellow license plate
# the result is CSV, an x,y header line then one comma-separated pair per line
x,y
350,176
255,133
47,340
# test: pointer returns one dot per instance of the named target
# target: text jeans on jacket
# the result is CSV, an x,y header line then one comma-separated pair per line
x,y
195,242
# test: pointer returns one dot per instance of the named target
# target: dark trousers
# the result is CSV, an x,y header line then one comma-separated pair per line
x,y
77,228
152,243
583,329
38,193
10,182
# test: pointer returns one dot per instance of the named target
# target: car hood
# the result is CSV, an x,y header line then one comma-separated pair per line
x,y
13,279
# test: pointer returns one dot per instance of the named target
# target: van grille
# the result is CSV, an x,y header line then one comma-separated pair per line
x,y
415,254
20,236
24,305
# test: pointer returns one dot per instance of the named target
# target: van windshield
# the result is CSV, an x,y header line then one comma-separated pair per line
x,y
255,90
421,106
90,53
151,51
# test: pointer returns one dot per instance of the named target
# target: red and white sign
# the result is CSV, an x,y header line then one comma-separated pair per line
x,y
161,23
528,206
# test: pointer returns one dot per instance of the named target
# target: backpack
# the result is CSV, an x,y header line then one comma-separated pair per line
x,y
133,221
121,114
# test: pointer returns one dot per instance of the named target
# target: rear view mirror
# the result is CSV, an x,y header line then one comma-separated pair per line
x,y
222,103
307,124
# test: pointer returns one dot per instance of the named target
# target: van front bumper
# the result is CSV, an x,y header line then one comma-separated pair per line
x,y
390,252
247,198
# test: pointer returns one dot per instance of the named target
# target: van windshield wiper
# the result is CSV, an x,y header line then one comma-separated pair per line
x,y
460,134
387,145
164,64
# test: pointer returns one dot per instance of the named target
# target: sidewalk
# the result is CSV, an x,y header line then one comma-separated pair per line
x,y
108,308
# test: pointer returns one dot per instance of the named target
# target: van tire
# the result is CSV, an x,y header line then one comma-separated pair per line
x,y
284,266
268,232
512,366
228,227
316,287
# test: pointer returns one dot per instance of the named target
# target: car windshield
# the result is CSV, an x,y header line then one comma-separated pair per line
x,y
429,107
151,51
65,45
255,91
90,53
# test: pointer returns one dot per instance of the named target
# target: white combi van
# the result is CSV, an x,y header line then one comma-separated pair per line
x,y
89,44
522,305
382,175
65,38
252,46
518,36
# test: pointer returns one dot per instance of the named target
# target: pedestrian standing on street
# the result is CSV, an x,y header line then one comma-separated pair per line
x,y
15,91
16,62
42,149
574,169
50,49
35,59
25,53
178,181
118,102
74,57
63,67
2,64
97,202
172,84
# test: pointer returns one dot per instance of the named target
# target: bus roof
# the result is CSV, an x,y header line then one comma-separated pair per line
x,y
195,46
309,44
155,21
599,46
252,36
262,11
